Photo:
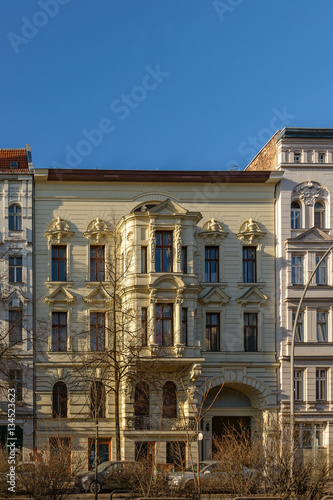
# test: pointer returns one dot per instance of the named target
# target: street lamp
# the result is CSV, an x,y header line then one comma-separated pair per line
x,y
292,359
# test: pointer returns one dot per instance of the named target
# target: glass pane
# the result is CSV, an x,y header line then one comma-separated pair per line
x,y
158,236
158,260
167,238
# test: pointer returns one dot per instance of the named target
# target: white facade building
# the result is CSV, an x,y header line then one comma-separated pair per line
x,y
16,294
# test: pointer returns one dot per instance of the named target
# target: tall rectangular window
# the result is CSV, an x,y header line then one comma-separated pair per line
x,y
321,385
322,326
15,269
249,265
163,252
144,325
15,382
299,337
183,260
183,339
212,332
97,331
58,262
250,332
297,269
164,324
59,331
97,263
298,384
212,264
15,325
143,259
321,273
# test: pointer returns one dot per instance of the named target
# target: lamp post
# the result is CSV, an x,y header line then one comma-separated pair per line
x,y
292,359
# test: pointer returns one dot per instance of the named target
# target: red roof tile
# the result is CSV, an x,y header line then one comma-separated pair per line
x,y
17,155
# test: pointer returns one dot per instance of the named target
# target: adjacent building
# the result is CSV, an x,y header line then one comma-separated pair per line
x,y
193,259
16,294
303,234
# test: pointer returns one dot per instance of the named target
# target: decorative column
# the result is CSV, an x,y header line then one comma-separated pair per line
x,y
152,244
178,244
179,347
152,316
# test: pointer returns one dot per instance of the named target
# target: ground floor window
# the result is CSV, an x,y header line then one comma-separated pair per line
x,y
60,450
4,438
308,434
145,451
175,454
104,451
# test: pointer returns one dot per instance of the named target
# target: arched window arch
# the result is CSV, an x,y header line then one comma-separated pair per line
x,y
15,217
59,400
296,215
141,400
319,214
169,400
97,400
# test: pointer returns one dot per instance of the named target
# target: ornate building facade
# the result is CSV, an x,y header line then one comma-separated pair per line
x,y
16,295
304,234
169,276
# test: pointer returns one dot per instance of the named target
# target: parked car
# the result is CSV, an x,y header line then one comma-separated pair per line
x,y
109,477
214,478
175,478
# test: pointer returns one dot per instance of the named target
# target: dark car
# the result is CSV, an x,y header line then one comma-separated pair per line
x,y
109,477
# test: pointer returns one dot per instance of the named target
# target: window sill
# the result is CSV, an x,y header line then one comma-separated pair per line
x,y
248,284
222,284
93,284
51,284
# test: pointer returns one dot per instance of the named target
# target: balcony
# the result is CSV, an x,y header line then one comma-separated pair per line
x,y
159,424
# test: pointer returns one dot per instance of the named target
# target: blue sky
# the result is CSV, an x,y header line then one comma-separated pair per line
x,y
161,84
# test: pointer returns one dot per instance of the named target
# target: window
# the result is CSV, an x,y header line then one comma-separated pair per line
x,y
15,382
183,260
183,338
297,269
97,331
59,331
163,253
250,332
321,385
59,263
14,218
212,332
319,215
321,157
321,273
15,325
297,157
322,326
296,220
15,269
59,400
164,324
60,450
143,259
298,384
97,400
145,452
169,400
141,406
299,337
212,264
97,263
144,325
305,431
175,454
249,264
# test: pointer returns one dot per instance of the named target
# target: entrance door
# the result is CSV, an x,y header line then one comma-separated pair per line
x,y
223,424
104,451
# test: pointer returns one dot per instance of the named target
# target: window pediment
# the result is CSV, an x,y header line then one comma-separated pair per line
x,y
15,299
214,296
98,296
309,192
250,232
213,231
58,231
253,296
60,296
313,234
97,230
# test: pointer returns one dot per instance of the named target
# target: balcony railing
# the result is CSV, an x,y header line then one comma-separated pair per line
x,y
160,424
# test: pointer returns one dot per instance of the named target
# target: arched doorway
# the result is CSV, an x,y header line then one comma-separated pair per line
x,y
228,409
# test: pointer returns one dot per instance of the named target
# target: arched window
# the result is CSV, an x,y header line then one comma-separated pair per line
x,y
97,400
15,218
296,220
141,400
59,403
169,400
319,214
